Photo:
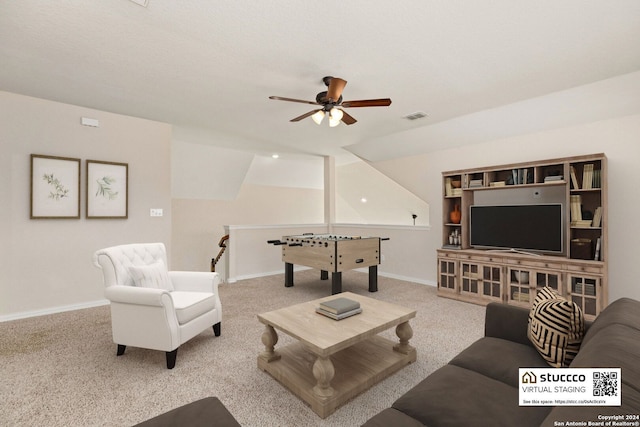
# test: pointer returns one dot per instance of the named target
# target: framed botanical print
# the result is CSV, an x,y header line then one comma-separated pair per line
x,y
55,187
107,189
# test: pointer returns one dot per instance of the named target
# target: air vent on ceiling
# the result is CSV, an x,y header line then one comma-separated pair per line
x,y
417,115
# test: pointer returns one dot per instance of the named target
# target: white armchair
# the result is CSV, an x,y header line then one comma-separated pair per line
x,y
152,307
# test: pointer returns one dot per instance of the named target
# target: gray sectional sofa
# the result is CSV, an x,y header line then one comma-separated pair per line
x,y
479,387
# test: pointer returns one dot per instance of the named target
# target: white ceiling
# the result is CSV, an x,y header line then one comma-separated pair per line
x,y
208,67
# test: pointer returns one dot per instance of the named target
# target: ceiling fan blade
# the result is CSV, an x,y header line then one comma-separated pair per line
x,y
336,86
383,102
305,115
280,98
347,119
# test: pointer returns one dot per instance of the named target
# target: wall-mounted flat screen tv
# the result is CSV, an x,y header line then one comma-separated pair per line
x,y
529,227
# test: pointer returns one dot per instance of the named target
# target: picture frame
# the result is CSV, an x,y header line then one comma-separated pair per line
x,y
55,187
107,190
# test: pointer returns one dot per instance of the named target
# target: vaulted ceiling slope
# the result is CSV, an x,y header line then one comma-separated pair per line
x,y
208,67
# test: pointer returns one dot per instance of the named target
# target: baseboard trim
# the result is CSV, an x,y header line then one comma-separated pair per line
x,y
231,280
52,310
269,273
408,279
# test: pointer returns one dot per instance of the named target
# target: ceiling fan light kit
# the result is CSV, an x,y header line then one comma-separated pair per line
x,y
332,98
318,116
335,115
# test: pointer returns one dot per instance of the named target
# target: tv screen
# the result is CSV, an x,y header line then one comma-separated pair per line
x,y
531,227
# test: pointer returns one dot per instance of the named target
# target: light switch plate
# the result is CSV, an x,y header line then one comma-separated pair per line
x,y
156,212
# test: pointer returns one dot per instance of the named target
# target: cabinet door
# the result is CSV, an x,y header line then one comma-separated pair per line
x,y
519,284
447,274
584,291
552,279
470,278
492,281
482,280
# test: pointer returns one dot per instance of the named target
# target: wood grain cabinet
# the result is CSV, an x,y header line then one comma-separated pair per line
x,y
480,275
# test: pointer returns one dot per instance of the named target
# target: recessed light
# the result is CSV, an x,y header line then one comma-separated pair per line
x,y
363,200
275,156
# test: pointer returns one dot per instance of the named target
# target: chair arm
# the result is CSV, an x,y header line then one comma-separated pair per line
x,y
195,281
507,322
139,296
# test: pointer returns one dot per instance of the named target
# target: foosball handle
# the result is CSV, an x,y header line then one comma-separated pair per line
x,y
385,238
276,242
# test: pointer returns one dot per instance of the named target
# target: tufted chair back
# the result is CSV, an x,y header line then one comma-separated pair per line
x,y
116,260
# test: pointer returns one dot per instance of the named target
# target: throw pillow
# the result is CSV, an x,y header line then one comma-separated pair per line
x,y
151,276
556,327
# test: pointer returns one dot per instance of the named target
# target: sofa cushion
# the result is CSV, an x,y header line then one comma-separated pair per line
x,y
189,305
205,412
154,275
556,327
499,359
616,346
624,311
391,417
453,396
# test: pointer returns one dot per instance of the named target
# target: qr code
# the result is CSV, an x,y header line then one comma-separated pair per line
x,y
605,383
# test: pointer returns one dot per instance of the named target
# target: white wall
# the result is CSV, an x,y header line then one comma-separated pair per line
x,y
215,187
47,264
198,225
202,171
385,201
403,256
249,254
617,138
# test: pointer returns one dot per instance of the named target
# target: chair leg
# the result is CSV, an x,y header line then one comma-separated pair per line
x,y
216,329
171,358
121,349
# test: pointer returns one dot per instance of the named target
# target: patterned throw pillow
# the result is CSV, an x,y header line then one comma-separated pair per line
x,y
151,276
556,327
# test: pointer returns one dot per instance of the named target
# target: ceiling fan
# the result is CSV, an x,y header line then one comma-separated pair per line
x,y
330,100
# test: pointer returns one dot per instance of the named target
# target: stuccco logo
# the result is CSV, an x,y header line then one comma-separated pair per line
x,y
530,378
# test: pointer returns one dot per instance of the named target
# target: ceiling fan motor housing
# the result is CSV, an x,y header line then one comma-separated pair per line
x,y
321,98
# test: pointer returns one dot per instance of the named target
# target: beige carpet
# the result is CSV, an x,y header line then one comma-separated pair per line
x,y
62,369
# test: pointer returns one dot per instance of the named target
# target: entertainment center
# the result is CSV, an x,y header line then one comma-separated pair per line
x,y
512,229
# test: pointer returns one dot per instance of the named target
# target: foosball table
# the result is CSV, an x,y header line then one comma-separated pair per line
x,y
330,253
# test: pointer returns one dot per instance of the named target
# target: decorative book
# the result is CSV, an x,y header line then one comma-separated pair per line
x,y
583,223
339,305
597,217
339,316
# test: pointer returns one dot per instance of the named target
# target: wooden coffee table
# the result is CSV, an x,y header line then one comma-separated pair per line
x,y
335,360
